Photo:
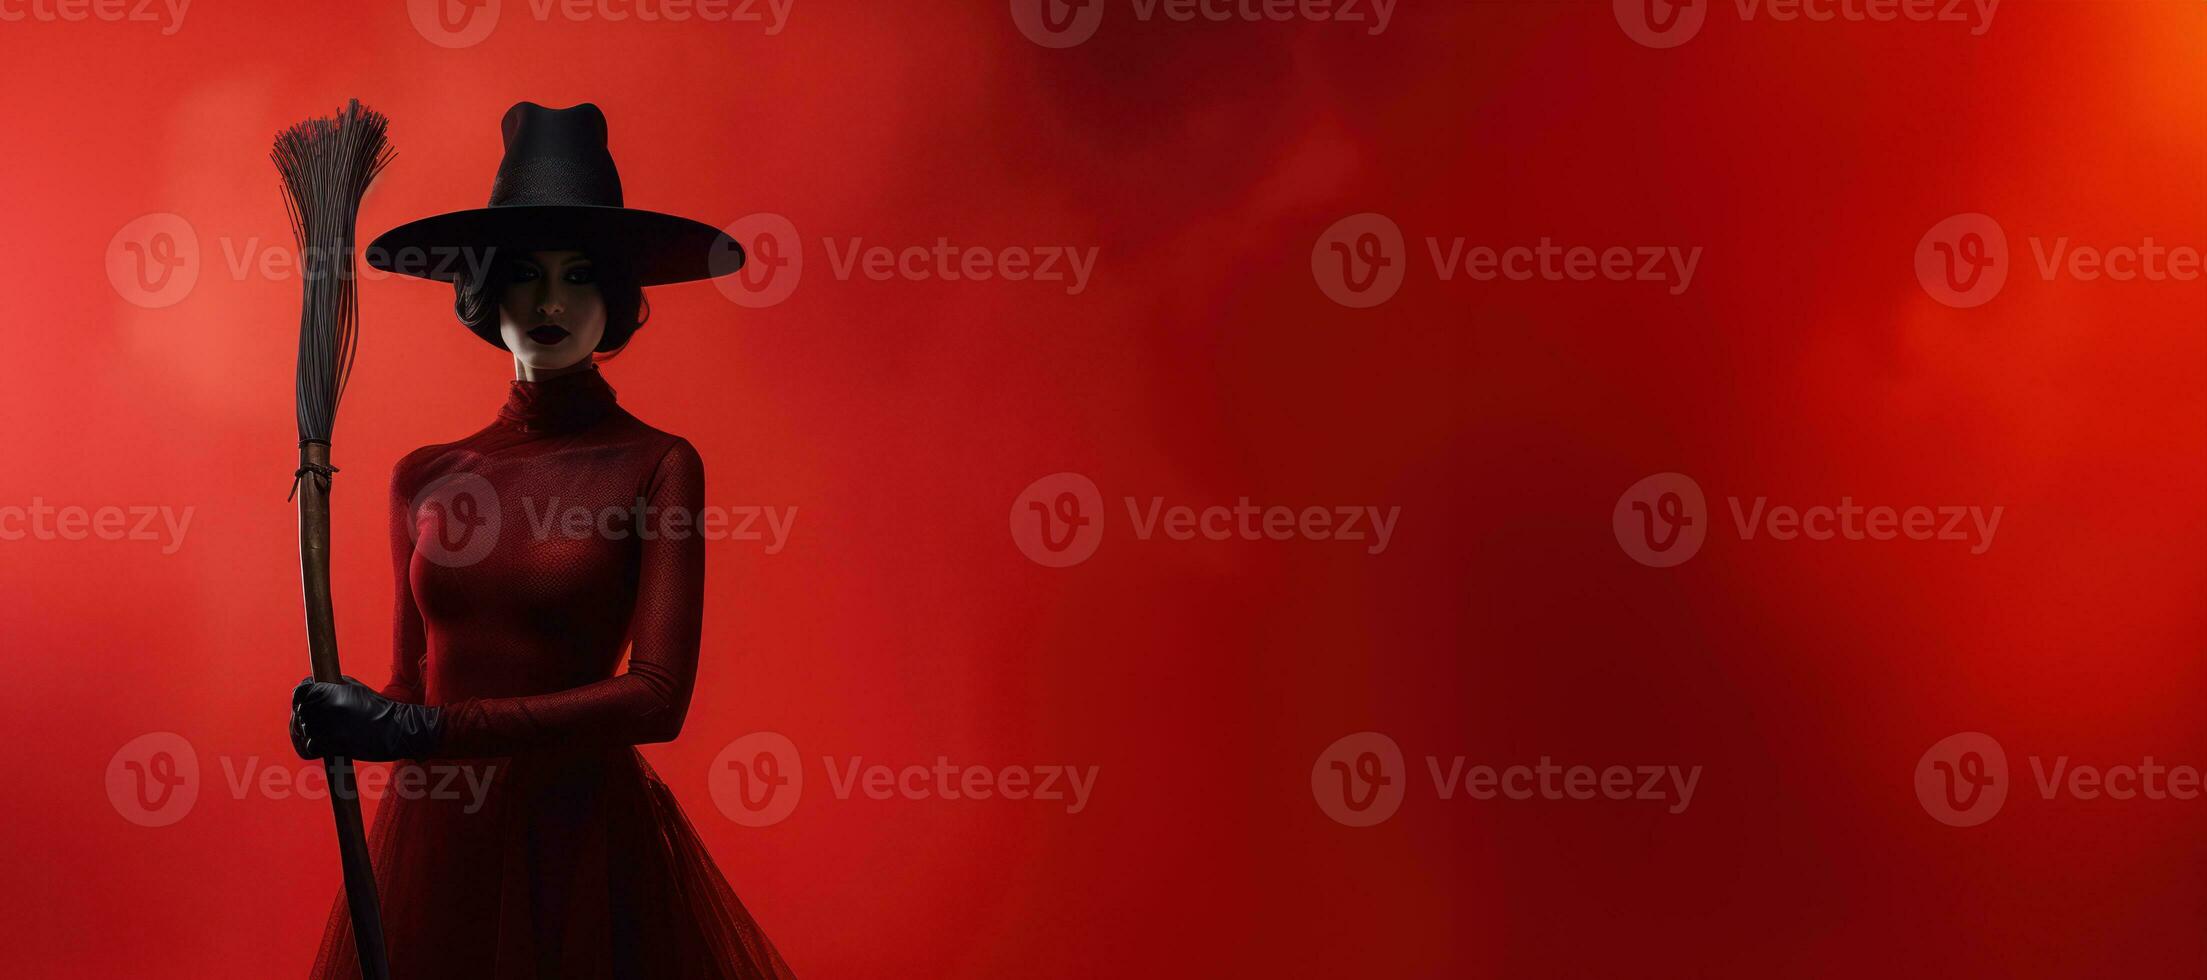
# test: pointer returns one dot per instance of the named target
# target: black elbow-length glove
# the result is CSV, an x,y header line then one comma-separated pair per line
x,y
352,720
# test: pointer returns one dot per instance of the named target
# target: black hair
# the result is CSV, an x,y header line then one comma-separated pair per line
x,y
475,299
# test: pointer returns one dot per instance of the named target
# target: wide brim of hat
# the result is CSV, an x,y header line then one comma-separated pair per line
x,y
660,248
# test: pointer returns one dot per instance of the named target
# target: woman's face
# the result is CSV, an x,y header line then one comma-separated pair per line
x,y
551,314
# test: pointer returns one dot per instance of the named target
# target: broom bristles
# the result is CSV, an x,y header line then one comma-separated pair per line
x,y
327,164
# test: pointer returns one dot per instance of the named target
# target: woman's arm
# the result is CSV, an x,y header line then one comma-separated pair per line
x,y
352,719
408,644
647,702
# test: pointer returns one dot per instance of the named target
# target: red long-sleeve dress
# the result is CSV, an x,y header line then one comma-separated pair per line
x,y
529,555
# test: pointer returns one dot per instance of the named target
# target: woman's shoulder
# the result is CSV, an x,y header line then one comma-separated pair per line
x,y
412,468
657,441
671,456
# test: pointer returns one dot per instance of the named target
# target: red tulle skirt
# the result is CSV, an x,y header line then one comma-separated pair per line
x,y
571,865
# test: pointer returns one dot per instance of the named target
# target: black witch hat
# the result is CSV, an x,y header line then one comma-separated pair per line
x,y
557,188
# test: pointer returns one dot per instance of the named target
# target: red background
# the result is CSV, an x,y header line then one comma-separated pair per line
x,y
1202,365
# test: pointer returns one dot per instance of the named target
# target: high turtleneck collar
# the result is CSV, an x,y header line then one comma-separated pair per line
x,y
570,401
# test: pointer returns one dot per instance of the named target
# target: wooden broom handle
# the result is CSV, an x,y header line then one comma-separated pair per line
x,y
313,488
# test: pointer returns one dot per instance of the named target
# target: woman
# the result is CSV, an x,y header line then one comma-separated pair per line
x,y
575,861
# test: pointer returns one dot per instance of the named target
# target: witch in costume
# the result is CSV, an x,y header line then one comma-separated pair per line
x,y
576,861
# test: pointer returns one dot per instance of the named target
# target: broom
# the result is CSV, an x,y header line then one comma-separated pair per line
x,y
327,164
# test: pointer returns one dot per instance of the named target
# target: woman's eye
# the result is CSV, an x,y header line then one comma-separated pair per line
x,y
584,274
524,274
